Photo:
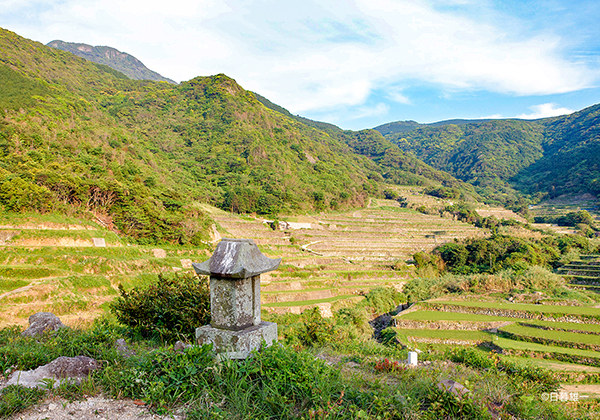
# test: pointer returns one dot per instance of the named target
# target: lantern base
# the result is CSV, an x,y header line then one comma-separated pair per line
x,y
237,344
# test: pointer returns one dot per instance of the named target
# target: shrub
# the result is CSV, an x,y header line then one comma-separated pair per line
x,y
170,309
382,300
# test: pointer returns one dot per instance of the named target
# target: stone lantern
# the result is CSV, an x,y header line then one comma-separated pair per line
x,y
236,327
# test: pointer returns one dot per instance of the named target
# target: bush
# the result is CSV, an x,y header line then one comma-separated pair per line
x,y
170,309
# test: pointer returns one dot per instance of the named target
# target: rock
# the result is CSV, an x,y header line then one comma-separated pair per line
x,y
123,349
180,346
41,322
159,253
72,368
453,387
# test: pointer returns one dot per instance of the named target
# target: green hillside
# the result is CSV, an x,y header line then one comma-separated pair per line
x,y
80,138
571,160
485,154
505,159
393,164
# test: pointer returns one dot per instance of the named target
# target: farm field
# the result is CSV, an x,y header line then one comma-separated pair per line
x,y
569,349
337,255
74,267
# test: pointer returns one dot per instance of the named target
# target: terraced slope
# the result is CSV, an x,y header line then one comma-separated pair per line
x,y
56,264
563,338
337,257
584,273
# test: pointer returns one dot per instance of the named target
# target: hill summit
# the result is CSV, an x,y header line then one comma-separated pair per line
x,y
120,61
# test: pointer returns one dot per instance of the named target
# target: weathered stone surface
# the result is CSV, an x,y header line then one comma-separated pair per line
x,y
42,322
235,305
453,387
70,368
236,327
180,346
237,344
236,259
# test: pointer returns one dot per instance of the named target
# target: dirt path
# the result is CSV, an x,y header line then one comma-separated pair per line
x,y
591,390
97,408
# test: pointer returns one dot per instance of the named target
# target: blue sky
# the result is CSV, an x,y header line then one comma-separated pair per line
x,y
357,64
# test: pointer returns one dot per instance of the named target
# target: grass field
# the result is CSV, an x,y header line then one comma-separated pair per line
x,y
547,309
552,334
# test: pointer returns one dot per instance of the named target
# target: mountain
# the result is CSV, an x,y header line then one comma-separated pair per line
x,y
81,138
120,61
394,165
484,154
404,126
571,156
505,159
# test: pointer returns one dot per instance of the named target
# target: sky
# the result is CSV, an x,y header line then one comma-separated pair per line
x,y
353,63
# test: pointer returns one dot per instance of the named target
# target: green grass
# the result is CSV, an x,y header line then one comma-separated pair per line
x,y
306,302
27,272
449,316
542,348
550,309
447,334
553,335
110,237
8,285
592,328
10,218
551,364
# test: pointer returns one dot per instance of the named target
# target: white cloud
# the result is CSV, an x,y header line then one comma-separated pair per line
x,y
377,110
545,111
315,55
491,117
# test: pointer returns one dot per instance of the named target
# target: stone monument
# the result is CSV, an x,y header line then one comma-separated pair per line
x,y
236,327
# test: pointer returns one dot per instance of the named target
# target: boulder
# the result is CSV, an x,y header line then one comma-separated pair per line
x,y
41,322
180,346
453,387
69,368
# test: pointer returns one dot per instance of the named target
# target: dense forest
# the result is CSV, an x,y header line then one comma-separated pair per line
x,y
505,159
80,137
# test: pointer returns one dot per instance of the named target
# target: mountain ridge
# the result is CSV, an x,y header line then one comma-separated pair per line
x,y
120,61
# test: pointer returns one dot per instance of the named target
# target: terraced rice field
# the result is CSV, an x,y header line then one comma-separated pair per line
x,y
341,255
565,339
49,263
73,267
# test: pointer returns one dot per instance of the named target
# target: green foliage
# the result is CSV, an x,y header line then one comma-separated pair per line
x,y
528,280
17,194
25,353
315,330
381,300
581,220
541,379
501,252
442,404
486,154
15,398
169,309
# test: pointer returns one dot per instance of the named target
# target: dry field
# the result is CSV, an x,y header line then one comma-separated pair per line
x,y
61,267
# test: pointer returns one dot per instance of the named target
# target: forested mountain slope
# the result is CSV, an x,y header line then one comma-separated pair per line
x,y
81,138
505,158
571,159
394,165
